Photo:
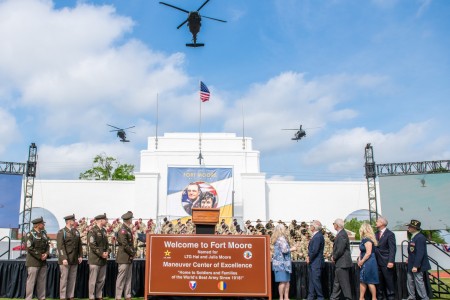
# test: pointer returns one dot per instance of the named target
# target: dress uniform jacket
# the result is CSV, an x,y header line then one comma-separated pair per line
x,y
417,253
69,245
98,243
37,244
126,250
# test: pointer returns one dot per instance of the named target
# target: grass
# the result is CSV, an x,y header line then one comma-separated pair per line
x,y
447,281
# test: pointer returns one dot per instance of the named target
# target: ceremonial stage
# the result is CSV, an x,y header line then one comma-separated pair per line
x,y
13,276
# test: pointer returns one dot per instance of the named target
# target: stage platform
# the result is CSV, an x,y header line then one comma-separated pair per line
x,y
13,276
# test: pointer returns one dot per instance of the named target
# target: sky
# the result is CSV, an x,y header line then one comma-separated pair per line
x,y
351,72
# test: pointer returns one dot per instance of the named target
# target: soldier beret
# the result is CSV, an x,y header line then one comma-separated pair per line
x,y
69,217
128,215
101,217
38,220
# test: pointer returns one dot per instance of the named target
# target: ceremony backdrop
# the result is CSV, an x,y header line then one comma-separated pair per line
x,y
218,181
424,197
10,191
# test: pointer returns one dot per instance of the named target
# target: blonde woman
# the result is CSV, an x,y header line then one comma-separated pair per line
x,y
281,260
368,275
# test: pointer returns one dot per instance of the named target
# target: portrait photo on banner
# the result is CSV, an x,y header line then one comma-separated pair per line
x,y
189,187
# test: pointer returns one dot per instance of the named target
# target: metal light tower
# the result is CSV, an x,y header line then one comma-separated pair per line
x,y
371,175
28,193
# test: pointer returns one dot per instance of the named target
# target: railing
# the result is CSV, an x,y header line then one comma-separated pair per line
x,y
9,247
438,287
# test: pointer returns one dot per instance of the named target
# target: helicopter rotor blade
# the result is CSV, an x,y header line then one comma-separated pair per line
x,y
204,3
114,130
214,19
173,6
114,127
179,26
288,129
129,127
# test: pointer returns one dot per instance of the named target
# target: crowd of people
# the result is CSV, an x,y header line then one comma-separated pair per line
x,y
298,233
376,261
121,240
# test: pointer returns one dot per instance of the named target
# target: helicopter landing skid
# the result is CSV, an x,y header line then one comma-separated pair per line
x,y
195,45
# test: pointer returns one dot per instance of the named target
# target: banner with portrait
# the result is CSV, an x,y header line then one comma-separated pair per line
x,y
189,187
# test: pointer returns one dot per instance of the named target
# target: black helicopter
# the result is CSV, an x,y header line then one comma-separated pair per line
x,y
121,134
194,22
299,134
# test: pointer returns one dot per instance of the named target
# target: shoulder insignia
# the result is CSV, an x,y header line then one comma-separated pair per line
x,y
91,240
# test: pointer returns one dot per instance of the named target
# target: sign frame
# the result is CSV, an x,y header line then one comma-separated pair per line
x,y
154,272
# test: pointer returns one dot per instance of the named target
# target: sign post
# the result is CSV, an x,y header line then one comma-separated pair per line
x,y
208,265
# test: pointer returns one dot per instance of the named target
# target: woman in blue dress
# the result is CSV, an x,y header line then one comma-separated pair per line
x,y
281,260
368,275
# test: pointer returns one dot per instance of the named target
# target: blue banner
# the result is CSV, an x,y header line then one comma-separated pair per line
x,y
10,191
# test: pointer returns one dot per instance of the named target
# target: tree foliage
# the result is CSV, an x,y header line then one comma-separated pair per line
x,y
354,225
108,168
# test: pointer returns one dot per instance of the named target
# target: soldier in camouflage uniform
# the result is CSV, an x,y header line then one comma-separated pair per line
x,y
304,244
125,255
328,249
37,253
190,228
98,257
70,254
259,225
151,226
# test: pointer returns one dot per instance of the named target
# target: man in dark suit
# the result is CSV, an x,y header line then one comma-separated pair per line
x,y
315,261
343,262
385,254
418,262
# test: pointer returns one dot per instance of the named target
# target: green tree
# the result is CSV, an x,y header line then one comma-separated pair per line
x,y
108,168
432,235
354,225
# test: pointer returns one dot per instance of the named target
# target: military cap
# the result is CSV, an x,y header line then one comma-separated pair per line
x,y
415,224
270,221
247,222
100,217
69,217
259,220
38,220
128,215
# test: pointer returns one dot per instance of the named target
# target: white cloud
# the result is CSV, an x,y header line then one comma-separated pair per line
x,y
68,161
76,66
8,130
344,151
282,178
288,100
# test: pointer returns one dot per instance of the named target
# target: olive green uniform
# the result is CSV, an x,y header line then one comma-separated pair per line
x,y
37,245
125,255
70,249
98,243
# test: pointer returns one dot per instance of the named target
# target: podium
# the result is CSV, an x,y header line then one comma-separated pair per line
x,y
205,219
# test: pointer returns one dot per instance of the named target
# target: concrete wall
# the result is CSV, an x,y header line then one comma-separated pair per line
x,y
254,196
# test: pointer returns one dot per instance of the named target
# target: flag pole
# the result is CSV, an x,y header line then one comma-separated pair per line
x,y
157,119
243,128
200,157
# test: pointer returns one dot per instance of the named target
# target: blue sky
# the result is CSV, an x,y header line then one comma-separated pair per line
x,y
361,71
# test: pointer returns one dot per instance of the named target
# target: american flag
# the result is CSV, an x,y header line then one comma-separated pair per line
x,y
204,92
